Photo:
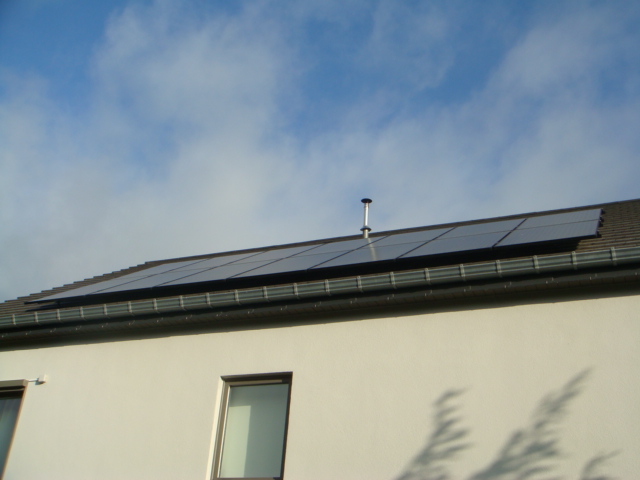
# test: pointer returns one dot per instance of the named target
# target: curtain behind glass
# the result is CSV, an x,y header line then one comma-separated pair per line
x,y
9,406
254,432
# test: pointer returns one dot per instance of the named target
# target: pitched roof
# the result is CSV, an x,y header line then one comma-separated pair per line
x,y
617,243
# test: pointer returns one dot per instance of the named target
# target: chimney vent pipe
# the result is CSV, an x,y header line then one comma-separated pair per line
x,y
366,229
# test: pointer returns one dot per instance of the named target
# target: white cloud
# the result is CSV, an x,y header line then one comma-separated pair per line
x,y
571,51
410,43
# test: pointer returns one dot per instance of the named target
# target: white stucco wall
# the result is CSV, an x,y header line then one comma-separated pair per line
x,y
362,392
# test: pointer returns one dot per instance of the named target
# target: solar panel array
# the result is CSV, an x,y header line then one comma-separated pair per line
x,y
425,243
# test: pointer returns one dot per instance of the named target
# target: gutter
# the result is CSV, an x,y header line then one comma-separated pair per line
x,y
317,290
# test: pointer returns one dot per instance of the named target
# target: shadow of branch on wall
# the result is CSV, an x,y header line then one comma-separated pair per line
x,y
591,470
444,444
530,453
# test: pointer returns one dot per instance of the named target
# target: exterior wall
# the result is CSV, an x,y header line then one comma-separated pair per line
x,y
362,395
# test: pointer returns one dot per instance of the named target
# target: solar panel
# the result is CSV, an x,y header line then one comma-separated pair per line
x,y
442,246
297,263
438,241
153,281
412,237
218,261
562,218
280,253
549,233
125,279
148,277
87,290
559,226
482,228
218,268
371,253
216,274
165,267
345,245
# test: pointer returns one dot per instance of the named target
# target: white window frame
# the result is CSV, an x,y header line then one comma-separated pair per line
x,y
248,380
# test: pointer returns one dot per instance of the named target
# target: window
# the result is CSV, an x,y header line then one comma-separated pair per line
x,y
252,433
10,400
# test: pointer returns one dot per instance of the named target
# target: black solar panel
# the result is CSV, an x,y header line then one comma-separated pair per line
x,y
412,237
549,233
218,273
371,253
281,253
152,281
218,261
88,290
345,245
562,218
125,279
159,269
298,263
559,226
443,246
482,228
424,243
148,277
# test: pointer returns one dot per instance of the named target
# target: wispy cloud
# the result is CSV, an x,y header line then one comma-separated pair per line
x,y
209,130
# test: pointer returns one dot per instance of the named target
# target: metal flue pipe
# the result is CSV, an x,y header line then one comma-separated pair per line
x,y
366,229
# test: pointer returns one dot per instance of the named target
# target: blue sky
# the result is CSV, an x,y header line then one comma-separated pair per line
x,y
139,130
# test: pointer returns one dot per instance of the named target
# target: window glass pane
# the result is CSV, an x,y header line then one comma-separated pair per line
x,y
9,406
254,432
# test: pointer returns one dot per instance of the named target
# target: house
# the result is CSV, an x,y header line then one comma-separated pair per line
x,y
500,348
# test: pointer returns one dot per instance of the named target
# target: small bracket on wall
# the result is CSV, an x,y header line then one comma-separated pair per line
x,y
40,380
